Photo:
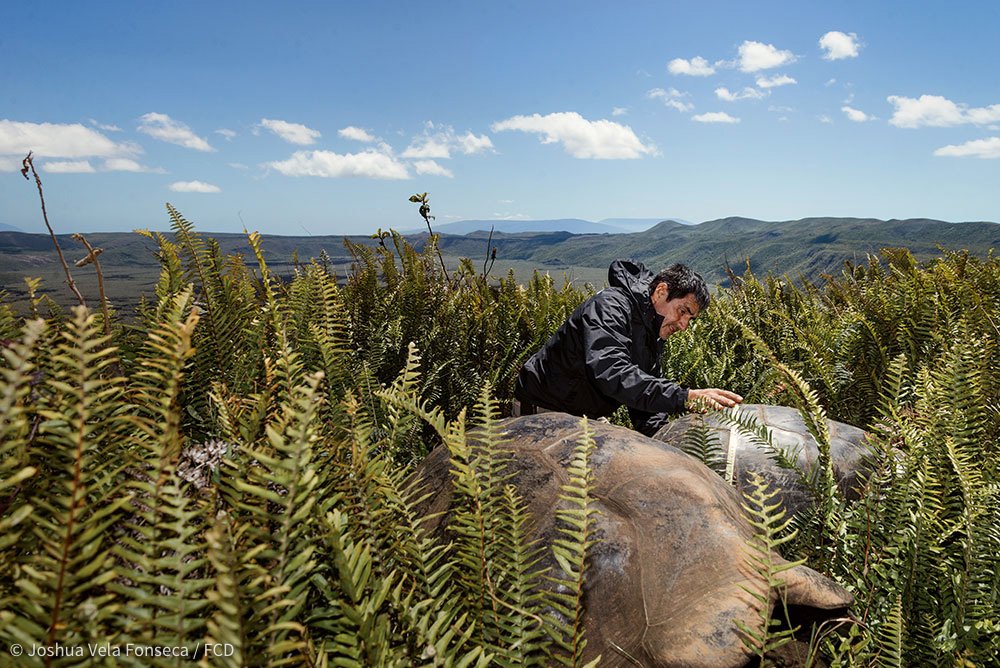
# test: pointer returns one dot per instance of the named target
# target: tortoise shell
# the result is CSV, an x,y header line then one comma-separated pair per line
x,y
789,433
668,576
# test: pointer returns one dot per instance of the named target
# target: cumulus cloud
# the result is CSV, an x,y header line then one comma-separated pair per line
x,y
69,167
856,115
194,187
601,139
471,144
672,98
357,134
129,165
988,149
102,126
754,56
775,81
715,117
59,141
938,111
293,133
696,67
431,168
226,133
370,164
747,93
837,45
619,111
164,128
438,142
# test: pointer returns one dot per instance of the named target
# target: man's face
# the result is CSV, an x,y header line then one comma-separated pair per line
x,y
677,312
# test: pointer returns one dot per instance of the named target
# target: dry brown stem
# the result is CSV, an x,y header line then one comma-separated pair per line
x,y
29,165
92,254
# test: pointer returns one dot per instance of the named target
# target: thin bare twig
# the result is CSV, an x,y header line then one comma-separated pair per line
x,y
92,254
29,165
491,253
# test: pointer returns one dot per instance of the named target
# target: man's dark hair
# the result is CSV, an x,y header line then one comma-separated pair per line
x,y
681,281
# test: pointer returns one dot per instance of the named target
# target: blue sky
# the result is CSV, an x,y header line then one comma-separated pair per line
x,y
323,118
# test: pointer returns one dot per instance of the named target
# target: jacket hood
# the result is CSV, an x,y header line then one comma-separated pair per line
x,y
634,278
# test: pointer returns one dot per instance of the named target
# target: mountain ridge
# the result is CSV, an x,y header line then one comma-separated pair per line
x,y
805,248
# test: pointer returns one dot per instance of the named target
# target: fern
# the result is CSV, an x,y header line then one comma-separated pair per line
x,y
771,531
575,524
66,566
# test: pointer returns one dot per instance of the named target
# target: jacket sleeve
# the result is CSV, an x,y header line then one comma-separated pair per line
x,y
647,423
607,337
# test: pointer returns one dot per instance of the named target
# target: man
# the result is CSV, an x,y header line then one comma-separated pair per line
x,y
607,353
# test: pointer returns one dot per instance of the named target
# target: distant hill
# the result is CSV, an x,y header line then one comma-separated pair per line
x,y
571,225
4,227
806,248
640,224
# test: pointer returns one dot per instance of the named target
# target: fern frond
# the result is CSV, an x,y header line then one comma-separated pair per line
x,y
575,525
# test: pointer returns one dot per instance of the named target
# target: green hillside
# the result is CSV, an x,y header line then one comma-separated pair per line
x,y
806,248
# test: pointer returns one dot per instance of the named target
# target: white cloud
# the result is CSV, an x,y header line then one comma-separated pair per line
x,y
830,82
10,163
431,168
129,165
52,140
355,133
428,147
984,115
747,93
194,187
102,126
715,117
781,109
988,148
237,165
601,139
470,144
439,145
226,133
938,111
696,67
69,167
293,133
775,81
823,118
856,115
368,164
838,45
756,56
619,111
671,98
164,128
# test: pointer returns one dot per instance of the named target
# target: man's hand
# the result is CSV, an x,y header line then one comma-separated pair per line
x,y
711,398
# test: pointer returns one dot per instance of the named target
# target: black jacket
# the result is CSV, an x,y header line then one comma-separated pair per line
x,y
605,355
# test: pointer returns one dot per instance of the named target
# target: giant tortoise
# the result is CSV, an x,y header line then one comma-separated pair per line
x,y
667,577
789,434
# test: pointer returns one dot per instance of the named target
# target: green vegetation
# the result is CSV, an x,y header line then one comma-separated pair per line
x,y
231,465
